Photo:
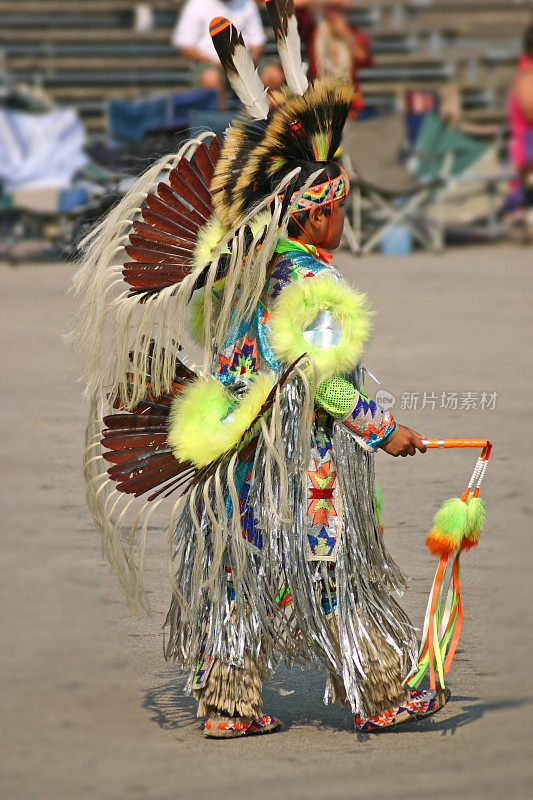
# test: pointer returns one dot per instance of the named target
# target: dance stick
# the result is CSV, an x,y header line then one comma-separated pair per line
x,y
446,443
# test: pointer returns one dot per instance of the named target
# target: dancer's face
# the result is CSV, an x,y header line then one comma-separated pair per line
x,y
336,228
326,230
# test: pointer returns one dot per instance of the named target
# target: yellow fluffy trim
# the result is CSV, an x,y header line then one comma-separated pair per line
x,y
297,306
210,235
195,323
208,238
204,423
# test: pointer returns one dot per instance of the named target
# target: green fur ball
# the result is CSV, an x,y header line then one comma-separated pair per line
x,y
451,520
206,421
475,514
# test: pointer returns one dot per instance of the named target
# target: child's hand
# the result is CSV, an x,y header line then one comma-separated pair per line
x,y
405,442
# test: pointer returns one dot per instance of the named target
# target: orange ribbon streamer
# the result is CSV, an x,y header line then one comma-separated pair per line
x,y
459,622
436,589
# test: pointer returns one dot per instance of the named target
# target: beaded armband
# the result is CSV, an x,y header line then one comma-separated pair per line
x,y
366,421
370,424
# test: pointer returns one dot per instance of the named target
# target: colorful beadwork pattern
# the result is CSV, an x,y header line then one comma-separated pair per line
x,y
288,270
323,535
243,363
369,422
321,494
240,726
421,703
203,668
321,194
245,348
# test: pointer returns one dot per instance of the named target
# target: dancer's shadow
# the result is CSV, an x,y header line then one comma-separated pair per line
x,y
295,696
171,708
292,695
468,710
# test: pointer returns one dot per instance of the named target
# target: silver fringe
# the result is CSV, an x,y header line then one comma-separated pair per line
x,y
204,614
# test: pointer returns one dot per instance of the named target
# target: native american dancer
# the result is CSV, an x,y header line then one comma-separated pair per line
x,y
276,550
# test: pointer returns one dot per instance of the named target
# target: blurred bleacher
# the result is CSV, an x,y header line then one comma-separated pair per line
x,y
82,53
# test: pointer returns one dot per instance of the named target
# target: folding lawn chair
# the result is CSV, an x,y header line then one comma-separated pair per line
x,y
469,203
209,120
384,192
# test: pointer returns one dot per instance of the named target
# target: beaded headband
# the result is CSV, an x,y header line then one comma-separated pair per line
x,y
322,194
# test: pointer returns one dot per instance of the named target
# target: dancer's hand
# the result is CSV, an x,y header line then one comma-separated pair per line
x,y
405,442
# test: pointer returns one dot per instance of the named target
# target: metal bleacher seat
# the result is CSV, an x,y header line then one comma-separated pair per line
x,y
87,52
203,120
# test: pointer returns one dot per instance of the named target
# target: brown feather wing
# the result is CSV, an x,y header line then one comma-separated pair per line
x,y
162,243
135,442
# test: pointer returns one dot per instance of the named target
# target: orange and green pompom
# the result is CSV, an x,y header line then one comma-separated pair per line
x,y
456,526
450,526
476,517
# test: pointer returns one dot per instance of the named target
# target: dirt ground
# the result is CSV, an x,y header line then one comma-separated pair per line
x,y
90,709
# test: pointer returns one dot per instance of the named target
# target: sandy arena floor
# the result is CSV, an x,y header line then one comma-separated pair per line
x,y
90,709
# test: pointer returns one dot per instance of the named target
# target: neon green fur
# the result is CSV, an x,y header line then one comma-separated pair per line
x,y
212,232
195,323
204,423
297,306
476,515
208,238
451,520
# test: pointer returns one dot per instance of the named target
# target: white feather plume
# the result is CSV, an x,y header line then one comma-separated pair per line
x,y
285,28
247,84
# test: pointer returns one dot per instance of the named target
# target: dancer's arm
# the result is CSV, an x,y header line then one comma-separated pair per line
x,y
368,422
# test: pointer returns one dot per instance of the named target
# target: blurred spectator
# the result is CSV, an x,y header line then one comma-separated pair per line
x,y
306,22
521,108
143,20
191,37
272,75
521,126
333,45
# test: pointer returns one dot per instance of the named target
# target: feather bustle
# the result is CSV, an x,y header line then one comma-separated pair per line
x,y
152,281
193,177
154,255
150,234
162,223
181,250
125,421
168,212
170,197
126,456
205,160
189,193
